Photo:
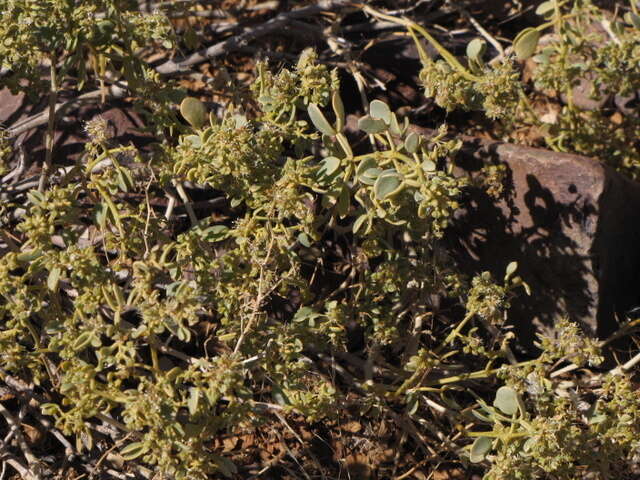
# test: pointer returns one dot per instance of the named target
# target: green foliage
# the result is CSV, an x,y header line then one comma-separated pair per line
x,y
5,152
541,427
586,50
495,90
33,30
173,334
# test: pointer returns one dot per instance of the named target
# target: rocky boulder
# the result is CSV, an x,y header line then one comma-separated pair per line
x,y
571,223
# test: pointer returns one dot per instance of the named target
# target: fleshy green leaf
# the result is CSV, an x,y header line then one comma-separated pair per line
x,y
338,109
125,181
319,120
35,197
101,212
412,142
366,164
193,111
479,449
29,256
380,111
385,185
215,233
545,8
278,395
50,409
526,43
481,417
371,125
328,166
344,202
429,165
240,120
194,140
303,314
54,279
83,340
359,222
394,126
371,174
304,239
194,397
632,19
476,49
134,450
511,269
506,400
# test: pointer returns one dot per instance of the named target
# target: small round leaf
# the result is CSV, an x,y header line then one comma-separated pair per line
x,y
479,449
476,49
545,8
385,185
394,126
369,176
193,111
304,239
240,120
506,400
328,166
366,164
429,165
412,142
194,140
380,110
372,172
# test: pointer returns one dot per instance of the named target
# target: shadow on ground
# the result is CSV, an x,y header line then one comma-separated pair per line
x,y
568,222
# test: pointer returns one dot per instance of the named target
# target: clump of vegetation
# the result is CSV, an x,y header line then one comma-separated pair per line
x,y
166,333
578,47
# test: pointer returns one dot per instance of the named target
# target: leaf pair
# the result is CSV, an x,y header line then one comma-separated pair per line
x,y
378,120
508,402
320,121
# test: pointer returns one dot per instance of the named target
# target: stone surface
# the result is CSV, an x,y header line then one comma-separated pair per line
x,y
573,226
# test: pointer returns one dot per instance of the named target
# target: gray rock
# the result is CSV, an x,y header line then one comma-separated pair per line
x,y
571,223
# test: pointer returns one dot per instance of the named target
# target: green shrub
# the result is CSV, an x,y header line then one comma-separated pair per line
x,y
170,332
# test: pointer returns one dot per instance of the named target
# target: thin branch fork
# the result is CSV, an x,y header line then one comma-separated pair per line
x,y
15,430
24,471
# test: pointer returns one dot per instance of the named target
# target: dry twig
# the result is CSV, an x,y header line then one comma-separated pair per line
x,y
232,44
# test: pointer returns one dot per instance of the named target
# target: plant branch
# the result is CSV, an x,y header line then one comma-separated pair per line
x,y
115,91
53,98
171,67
